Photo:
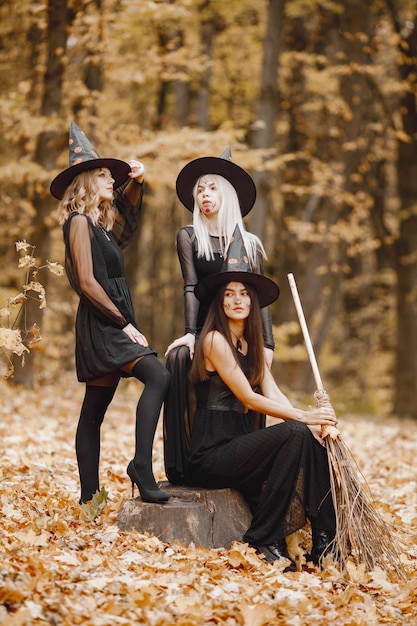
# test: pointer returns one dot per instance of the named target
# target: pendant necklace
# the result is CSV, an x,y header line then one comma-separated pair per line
x,y
105,233
216,244
239,345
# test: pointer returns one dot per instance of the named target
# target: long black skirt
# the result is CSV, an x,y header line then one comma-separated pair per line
x,y
282,471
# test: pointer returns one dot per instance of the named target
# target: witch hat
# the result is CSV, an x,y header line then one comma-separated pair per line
x,y
236,268
223,165
82,157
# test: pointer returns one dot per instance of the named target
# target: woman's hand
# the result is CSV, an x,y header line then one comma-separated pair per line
x,y
138,170
186,340
322,416
135,335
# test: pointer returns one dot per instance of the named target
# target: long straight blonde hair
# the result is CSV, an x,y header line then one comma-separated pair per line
x,y
228,217
82,196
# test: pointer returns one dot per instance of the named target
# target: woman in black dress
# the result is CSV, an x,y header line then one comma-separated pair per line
x,y
282,470
219,193
97,224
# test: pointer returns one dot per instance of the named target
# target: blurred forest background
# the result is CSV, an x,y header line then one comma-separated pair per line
x,y
317,99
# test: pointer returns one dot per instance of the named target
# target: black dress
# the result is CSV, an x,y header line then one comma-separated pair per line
x,y
105,307
179,407
281,470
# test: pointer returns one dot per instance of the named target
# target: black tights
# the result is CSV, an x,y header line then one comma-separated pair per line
x,y
155,378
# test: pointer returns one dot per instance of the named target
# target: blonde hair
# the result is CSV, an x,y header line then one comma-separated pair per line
x,y
81,196
228,217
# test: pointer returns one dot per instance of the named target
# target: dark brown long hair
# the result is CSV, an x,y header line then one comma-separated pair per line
x,y
217,320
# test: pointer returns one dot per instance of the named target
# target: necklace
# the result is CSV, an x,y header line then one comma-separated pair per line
x,y
215,240
239,344
105,233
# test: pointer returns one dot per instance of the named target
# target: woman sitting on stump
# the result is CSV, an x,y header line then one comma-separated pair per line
x,y
282,470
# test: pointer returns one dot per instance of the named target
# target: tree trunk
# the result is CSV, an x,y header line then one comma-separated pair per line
x,y
208,30
49,144
405,399
262,134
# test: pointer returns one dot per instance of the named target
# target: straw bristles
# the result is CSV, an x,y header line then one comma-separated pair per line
x,y
361,532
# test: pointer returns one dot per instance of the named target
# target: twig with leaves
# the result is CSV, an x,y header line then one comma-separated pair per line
x,y
13,339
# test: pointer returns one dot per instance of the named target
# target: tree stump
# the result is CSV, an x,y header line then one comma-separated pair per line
x,y
212,518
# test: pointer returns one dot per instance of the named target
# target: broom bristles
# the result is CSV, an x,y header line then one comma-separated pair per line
x,y
361,532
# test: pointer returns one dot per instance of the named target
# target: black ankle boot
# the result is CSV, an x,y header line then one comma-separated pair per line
x,y
322,543
275,551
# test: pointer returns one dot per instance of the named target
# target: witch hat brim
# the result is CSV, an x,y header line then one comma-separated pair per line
x,y
235,268
241,181
266,289
83,157
119,171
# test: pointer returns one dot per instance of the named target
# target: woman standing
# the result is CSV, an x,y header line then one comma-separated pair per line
x,y
219,193
109,343
282,470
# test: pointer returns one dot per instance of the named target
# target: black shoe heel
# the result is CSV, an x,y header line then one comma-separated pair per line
x,y
323,544
148,495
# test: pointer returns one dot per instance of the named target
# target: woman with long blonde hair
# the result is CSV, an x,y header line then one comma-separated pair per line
x,y
97,225
219,194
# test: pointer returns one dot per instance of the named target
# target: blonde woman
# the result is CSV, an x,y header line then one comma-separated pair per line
x,y
109,344
219,194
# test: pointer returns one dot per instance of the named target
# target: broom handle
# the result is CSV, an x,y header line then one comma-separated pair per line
x,y
304,328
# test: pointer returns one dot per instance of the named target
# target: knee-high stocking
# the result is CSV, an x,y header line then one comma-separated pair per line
x,y
156,380
87,439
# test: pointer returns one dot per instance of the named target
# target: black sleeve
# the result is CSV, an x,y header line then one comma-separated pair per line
x,y
80,271
185,251
265,312
128,201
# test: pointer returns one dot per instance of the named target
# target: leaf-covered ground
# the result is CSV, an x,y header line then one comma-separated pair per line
x,y
56,568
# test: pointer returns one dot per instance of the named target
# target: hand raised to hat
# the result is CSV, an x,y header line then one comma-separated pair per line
x,y
138,170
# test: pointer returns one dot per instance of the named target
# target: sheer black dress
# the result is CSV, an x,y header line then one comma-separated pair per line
x,y
281,470
105,305
179,407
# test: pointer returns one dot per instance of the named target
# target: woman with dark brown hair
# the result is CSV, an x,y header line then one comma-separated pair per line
x,y
282,470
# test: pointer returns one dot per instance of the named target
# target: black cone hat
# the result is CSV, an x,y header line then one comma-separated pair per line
x,y
236,268
82,157
223,165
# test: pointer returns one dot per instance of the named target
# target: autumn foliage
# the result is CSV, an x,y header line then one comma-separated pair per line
x,y
57,568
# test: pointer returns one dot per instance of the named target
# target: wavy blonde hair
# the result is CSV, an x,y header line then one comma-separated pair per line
x,y
82,196
228,216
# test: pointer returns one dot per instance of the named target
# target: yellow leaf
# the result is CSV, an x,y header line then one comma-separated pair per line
x,y
257,615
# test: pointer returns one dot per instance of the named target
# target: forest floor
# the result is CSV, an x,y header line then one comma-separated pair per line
x,y
56,568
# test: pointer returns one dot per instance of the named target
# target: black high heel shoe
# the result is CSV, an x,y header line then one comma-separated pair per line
x,y
148,495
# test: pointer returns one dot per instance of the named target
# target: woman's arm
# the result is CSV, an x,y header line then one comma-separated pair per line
x,y
220,358
128,201
267,329
185,251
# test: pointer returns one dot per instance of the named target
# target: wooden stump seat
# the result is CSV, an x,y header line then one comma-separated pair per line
x,y
212,518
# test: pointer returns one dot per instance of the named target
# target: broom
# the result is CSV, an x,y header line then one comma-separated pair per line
x,y
360,530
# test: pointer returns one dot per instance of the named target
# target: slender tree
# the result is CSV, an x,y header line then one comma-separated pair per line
x,y
48,146
405,400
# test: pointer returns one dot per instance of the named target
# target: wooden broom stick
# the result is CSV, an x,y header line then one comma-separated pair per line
x,y
358,525
304,329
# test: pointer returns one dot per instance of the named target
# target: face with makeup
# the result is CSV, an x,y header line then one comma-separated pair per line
x,y
236,301
208,196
